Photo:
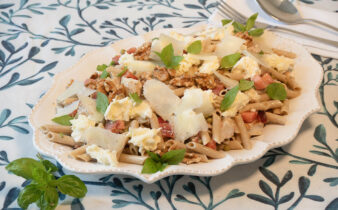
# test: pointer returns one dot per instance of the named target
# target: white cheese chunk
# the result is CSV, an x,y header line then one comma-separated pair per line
x,y
136,65
142,110
281,63
198,100
119,109
188,61
103,156
240,101
79,127
209,66
247,66
144,138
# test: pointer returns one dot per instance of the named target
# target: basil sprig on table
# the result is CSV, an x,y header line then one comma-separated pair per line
x,y
229,61
168,58
195,47
102,102
156,163
245,84
276,91
44,187
229,98
238,27
63,120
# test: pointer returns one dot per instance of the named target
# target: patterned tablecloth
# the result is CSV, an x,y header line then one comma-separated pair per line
x,y
41,38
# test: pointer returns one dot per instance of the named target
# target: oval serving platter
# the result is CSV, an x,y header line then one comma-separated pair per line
x,y
307,71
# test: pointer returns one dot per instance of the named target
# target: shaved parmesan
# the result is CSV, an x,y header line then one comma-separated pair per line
x,y
198,100
229,45
136,65
88,107
227,82
158,44
103,156
161,98
77,88
60,111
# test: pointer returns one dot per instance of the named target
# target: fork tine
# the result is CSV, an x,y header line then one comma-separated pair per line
x,y
228,11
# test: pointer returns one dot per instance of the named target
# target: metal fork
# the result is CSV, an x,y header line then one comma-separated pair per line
x,y
228,11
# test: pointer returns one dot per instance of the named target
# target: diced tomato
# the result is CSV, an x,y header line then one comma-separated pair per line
x,y
128,74
166,129
219,87
131,50
160,120
259,82
73,113
117,126
211,144
249,117
262,117
267,78
116,59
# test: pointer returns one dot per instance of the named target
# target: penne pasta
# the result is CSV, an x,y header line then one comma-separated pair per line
x,y
279,76
275,119
292,93
284,110
233,145
243,132
284,53
199,148
60,139
263,106
133,159
190,158
66,130
216,128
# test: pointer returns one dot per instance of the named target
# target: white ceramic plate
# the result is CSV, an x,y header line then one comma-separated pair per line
x,y
307,71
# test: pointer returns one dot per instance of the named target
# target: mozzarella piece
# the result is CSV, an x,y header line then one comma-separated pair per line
x,y
198,100
79,127
281,63
136,65
88,107
76,88
119,109
142,110
240,101
229,45
144,138
209,66
161,98
247,66
102,156
188,61
253,95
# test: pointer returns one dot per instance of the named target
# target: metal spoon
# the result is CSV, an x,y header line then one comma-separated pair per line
x,y
285,11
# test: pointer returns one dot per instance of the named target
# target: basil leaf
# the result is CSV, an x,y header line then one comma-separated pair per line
x,y
28,195
238,27
175,62
251,22
195,47
51,197
229,98
168,58
245,84
122,72
276,91
101,67
173,157
71,185
163,166
104,74
63,120
256,32
261,52
24,167
225,21
101,102
40,176
49,166
149,166
230,60
154,156
112,63
135,98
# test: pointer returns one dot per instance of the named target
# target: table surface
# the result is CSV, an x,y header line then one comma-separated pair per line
x,y
42,38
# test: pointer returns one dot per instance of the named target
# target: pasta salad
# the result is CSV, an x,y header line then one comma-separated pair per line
x,y
178,98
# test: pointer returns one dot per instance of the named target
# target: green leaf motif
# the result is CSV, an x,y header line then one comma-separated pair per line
x,y
24,167
30,194
320,134
63,120
261,199
266,188
71,185
303,184
195,47
276,91
270,176
245,85
101,102
229,61
229,98
173,157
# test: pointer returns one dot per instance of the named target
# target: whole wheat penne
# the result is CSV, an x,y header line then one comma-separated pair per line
x,y
243,132
84,157
284,53
284,110
255,129
61,139
235,75
133,159
191,157
234,145
196,147
281,77
67,130
292,93
173,145
291,82
205,137
78,151
227,82
263,106
263,97
216,128
227,128
275,119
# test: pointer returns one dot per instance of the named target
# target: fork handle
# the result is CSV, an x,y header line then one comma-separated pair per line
x,y
322,23
326,41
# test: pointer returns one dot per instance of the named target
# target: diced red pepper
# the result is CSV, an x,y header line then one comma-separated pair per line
x,y
166,129
211,144
116,59
73,113
262,117
117,126
131,50
249,117
219,87
128,74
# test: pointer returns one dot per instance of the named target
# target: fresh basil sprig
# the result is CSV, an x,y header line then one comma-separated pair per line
x,y
104,74
229,98
245,84
156,163
101,102
43,188
101,67
124,70
63,120
195,47
229,61
135,98
168,58
225,21
276,91
250,23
